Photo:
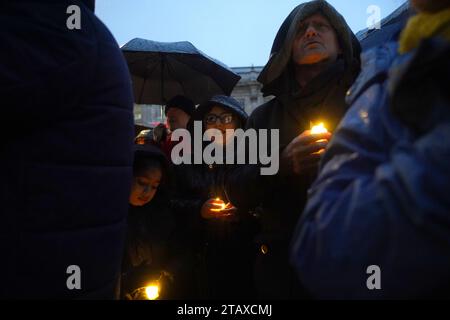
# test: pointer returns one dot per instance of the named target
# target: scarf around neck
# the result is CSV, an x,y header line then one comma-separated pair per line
x,y
423,26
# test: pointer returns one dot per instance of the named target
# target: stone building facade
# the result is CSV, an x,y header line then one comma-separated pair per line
x,y
248,89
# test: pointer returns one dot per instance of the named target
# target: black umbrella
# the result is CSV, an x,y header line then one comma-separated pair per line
x,y
161,70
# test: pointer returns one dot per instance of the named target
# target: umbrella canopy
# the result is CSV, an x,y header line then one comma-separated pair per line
x,y
162,70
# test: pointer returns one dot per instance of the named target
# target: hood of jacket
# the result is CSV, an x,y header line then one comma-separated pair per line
x,y
154,152
274,75
226,102
90,4
150,151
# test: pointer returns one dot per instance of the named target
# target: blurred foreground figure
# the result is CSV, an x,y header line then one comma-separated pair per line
x,y
382,195
66,153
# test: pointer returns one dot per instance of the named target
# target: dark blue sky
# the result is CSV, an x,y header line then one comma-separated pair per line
x,y
237,32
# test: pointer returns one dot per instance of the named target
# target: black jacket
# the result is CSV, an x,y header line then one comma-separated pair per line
x,y
66,152
156,244
291,113
154,249
196,183
223,248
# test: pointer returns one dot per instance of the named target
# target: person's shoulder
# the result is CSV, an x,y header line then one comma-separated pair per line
x,y
375,65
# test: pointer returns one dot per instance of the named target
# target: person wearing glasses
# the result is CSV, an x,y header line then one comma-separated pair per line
x,y
222,233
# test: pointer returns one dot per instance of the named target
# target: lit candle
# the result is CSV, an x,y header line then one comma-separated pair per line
x,y
221,204
152,291
319,128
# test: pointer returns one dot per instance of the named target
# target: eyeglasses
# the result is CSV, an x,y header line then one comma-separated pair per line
x,y
224,118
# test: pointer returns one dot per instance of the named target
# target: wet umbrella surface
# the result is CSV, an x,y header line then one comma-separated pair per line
x,y
161,70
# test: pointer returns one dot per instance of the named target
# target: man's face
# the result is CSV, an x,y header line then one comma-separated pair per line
x,y
177,119
316,41
430,5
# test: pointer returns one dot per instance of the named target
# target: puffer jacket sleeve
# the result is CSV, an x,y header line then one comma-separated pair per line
x,y
66,163
381,199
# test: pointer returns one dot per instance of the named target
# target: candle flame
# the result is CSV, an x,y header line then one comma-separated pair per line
x,y
152,291
319,128
222,205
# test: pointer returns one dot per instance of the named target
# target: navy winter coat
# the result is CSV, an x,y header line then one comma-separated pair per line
x,y
66,152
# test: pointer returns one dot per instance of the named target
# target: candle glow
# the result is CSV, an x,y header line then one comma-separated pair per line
x,y
222,205
152,291
319,128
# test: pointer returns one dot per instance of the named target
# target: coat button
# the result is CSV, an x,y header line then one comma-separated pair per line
x,y
264,249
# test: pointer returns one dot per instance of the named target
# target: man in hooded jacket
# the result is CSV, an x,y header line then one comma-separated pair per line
x,y
314,60
66,165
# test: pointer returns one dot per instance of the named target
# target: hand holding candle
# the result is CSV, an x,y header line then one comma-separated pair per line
x,y
217,208
303,154
152,291
218,205
318,128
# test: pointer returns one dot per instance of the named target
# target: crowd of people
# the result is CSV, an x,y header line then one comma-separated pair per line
x,y
372,189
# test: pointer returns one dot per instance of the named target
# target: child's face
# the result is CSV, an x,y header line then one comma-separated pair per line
x,y
144,186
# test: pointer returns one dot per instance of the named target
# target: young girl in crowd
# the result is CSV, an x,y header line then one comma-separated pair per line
x,y
151,253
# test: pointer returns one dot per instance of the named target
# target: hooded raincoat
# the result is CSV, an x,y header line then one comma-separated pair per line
x,y
279,199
